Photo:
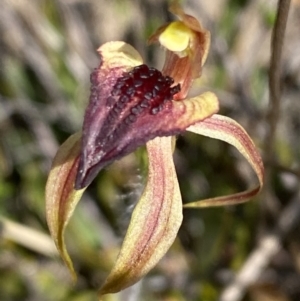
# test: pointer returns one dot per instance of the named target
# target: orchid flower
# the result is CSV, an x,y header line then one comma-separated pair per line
x,y
130,105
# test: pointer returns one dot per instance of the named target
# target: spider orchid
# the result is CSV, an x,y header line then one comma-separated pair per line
x,y
130,105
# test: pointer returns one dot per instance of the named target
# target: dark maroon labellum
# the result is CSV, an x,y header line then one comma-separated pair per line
x,y
122,117
145,88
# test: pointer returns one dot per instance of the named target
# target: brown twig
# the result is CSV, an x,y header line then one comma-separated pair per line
x,y
275,95
27,237
275,69
269,244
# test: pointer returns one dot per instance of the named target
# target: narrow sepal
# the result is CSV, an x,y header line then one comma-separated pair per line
x,y
61,198
154,223
225,129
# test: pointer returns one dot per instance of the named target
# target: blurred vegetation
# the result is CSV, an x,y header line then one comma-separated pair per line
x,y
47,51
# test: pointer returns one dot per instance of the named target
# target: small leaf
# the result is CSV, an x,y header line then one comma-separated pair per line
x,y
154,223
61,198
225,129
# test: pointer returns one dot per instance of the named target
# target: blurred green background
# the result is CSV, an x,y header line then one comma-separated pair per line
x,y
47,51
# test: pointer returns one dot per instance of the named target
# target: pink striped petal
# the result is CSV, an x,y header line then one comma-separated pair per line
x,y
154,223
61,198
226,129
